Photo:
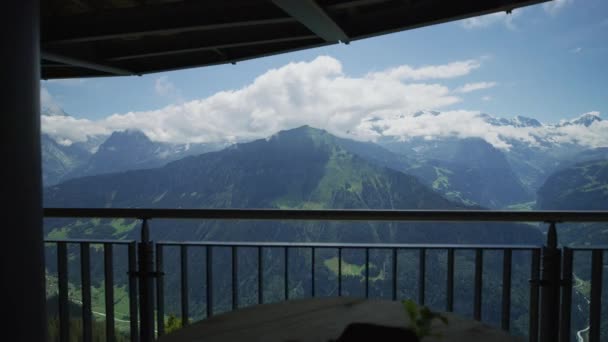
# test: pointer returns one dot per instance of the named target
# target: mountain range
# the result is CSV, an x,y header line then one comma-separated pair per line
x,y
461,169
121,151
302,168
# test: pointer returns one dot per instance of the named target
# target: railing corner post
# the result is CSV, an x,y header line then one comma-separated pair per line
x,y
550,285
146,276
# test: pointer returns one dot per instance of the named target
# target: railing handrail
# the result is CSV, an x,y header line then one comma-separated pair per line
x,y
334,214
91,241
334,245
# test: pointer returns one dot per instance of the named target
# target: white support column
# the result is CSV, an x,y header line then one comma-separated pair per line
x,y
22,288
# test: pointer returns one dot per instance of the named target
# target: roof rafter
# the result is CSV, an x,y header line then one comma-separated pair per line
x,y
212,47
85,64
314,18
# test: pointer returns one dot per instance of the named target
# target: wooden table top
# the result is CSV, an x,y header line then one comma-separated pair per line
x,y
322,319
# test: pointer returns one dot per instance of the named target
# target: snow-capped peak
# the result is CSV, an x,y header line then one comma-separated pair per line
x,y
522,121
586,120
518,121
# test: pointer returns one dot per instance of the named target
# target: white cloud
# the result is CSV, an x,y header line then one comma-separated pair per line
x,y
429,72
488,20
472,124
555,6
317,93
320,94
165,88
487,98
68,128
469,87
48,104
576,50
460,123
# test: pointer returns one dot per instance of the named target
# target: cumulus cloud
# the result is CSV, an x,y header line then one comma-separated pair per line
x,y
457,124
400,102
317,93
48,104
429,72
507,19
555,6
469,87
165,88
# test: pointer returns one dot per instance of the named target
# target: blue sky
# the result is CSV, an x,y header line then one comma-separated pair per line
x,y
545,61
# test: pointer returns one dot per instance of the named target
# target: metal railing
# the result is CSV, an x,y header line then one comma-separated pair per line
x,y
84,248
550,295
394,249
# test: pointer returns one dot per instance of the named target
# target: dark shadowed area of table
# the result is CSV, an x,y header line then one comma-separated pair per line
x,y
322,319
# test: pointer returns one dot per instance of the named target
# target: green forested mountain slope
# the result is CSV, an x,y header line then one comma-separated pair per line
x,y
301,168
469,171
583,186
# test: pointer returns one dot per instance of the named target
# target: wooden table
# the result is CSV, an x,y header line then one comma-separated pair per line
x,y
322,319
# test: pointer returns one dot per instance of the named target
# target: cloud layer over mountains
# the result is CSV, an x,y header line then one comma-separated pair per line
x,y
403,101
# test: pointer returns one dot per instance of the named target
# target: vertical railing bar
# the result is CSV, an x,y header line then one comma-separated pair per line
x,y
339,272
550,285
367,272
565,316
235,278
507,259
132,260
146,274
85,279
595,307
422,276
184,285
160,292
395,274
260,275
534,295
109,290
62,274
478,284
209,279
286,272
312,277
450,281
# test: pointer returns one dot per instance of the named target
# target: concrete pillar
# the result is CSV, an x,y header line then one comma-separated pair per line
x,y
22,288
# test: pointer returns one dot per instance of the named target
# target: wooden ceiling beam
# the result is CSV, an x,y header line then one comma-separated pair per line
x,y
311,15
85,64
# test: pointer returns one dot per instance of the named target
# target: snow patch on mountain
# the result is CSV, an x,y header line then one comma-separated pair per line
x,y
586,120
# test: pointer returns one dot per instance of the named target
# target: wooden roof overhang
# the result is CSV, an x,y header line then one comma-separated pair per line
x,y
90,38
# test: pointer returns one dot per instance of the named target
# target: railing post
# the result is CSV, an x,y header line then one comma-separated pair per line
x,y
550,284
146,276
